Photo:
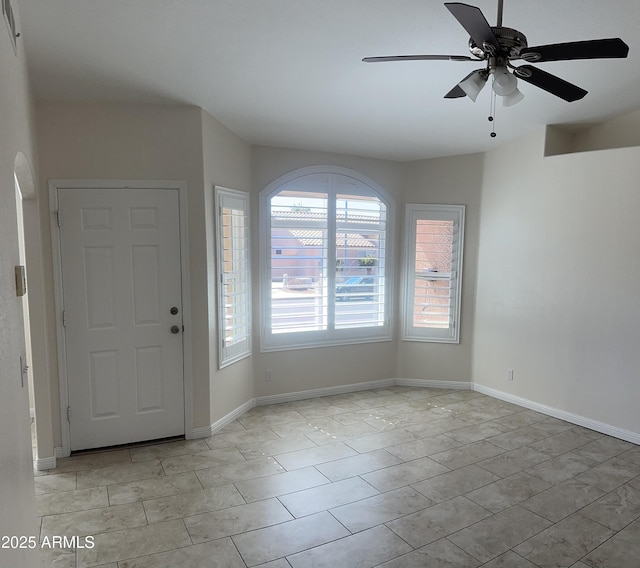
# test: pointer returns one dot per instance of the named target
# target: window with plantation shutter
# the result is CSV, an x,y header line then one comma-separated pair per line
x,y
324,262
234,285
433,273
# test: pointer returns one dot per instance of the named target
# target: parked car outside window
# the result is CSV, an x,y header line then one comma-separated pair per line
x,y
355,288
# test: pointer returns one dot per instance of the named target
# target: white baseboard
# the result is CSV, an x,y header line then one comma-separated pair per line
x,y
220,424
208,431
49,462
197,433
328,391
601,427
59,452
425,383
43,464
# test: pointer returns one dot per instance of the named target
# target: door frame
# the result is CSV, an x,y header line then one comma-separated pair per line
x,y
187,340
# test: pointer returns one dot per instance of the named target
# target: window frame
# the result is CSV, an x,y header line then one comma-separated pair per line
x,y
415,212
228,355
270,341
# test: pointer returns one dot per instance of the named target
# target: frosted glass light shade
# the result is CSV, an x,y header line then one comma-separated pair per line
x,y
513,98
473,84
504,83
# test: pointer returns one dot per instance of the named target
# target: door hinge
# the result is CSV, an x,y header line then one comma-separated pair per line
x,y
58,218
68,414
64,318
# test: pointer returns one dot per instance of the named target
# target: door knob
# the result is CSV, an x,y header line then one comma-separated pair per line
x,y
175,329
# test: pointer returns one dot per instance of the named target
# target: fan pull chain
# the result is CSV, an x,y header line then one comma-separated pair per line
x,y
492,114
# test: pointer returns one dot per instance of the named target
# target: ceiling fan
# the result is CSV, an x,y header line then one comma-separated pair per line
x,y
499,46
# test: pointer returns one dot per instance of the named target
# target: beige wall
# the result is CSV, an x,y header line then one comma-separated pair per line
x,y
145,142
455,181
16,486
162,142
618,132
558,272
308,369
227,163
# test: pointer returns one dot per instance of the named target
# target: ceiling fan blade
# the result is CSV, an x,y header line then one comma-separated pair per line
x,y
455,93
472,83
550,83
419,58
590,49
472,19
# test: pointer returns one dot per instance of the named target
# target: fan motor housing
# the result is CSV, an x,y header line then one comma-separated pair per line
x,y
511,42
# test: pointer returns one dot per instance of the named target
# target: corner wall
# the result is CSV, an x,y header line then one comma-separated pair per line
x,y
227,162
558,272
456,181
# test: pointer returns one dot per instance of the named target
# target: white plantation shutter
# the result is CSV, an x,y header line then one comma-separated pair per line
x,y
298,259
325,268
234,285
433,272
361,232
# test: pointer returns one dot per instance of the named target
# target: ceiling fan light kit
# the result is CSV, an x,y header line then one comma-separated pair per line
x,y
498,47
504,83
473,84
512,99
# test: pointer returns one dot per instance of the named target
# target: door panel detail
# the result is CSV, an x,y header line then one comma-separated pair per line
x,y
143,217
96,219
100,287
105,388
146,284
149,378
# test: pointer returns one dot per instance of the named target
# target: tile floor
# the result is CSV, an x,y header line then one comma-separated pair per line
x,y
398,477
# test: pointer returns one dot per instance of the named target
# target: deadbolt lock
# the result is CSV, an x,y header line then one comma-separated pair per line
x,y
173,311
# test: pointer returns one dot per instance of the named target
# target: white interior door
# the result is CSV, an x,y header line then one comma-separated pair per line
x,y
121,281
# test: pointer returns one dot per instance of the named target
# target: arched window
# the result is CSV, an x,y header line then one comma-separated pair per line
x,y
325,260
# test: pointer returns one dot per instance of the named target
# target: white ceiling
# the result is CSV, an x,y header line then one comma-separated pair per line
x,y
289,72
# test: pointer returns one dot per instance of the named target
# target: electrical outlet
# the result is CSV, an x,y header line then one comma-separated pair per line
x,y
268,376
509,374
